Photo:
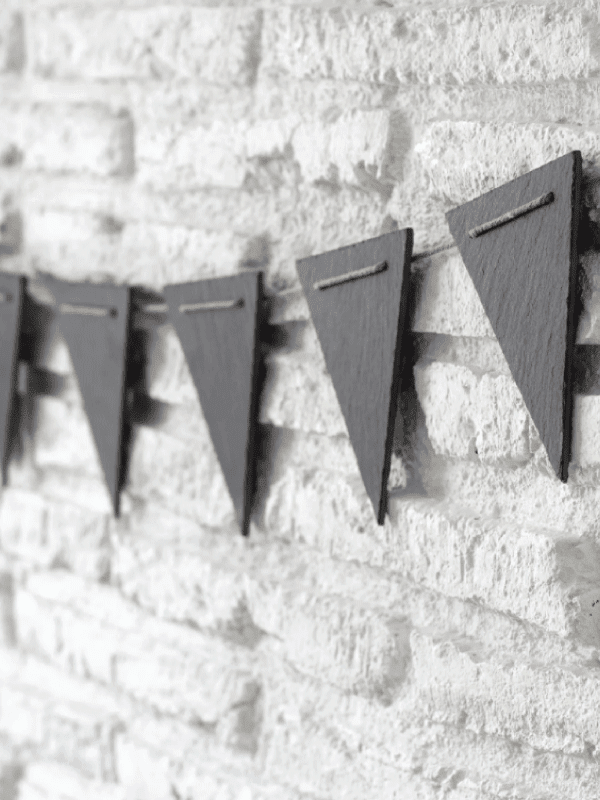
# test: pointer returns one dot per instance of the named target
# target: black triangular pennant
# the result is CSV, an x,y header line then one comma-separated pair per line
x,y
519,244
217,323
94,320
11,305
357,299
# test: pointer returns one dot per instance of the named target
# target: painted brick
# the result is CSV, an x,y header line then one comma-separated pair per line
x,y
75,488
161,758
46,780
462,160
588,329
179,147
12,44
63,437
524,44
586,443
68,720
78,246
79,537
201,153
351,647
551,581
299,393
529,495
489,418
310,715
446,300
214,45
176,670
168,377
184,476
88,139
490,421
51,533
547,708
23,520
555,569
12,135
349,147
243,597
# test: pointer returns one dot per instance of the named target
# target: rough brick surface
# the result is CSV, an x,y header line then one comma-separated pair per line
x,y
451,652
79,139
215,45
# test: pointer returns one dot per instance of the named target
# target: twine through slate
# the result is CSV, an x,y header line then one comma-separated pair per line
x,y
526,208
345,277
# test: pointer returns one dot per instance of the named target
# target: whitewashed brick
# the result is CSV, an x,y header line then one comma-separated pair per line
x,y
335,148
551,584
469,415
23,524
72,487
299,394
182,475
50,780
160,43
79,138
12,134
586,435
157,758
12,40
524,44
198,153
69,720
549,708
446,300
462,160
318,719
349,646
588,329
79,246
175,669
539,575
168,375
64,438
177,148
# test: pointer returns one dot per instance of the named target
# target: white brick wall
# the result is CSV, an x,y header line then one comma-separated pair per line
x,y
451,653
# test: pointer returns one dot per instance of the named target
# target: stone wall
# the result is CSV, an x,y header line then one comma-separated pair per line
x,y
453,653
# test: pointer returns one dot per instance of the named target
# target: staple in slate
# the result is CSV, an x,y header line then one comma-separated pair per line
x,y
355,275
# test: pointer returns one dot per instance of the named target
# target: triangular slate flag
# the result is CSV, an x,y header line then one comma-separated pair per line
x,y
357,300
519,244
94,320
217,322
11,305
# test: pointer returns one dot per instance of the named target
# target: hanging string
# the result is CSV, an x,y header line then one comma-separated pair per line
x,y
427,253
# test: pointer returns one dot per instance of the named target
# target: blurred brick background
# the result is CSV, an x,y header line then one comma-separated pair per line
x,y
453,654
